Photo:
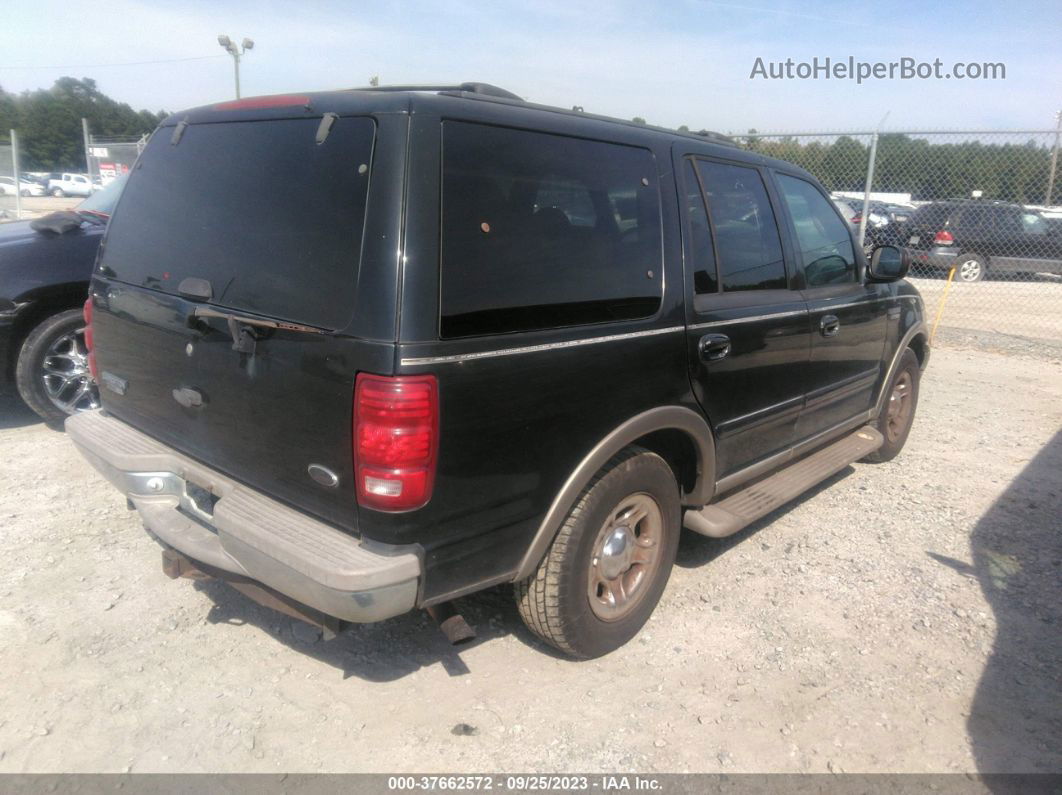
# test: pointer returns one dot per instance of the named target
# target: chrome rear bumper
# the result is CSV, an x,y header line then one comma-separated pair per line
x,y
212,519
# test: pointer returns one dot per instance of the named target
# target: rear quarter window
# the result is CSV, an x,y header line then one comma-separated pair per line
x,y
543,231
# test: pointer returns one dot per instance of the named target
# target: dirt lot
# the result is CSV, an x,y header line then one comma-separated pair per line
x,y
1014,306
904,617
32,206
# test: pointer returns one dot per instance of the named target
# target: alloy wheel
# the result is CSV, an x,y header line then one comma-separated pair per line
x,y
65,374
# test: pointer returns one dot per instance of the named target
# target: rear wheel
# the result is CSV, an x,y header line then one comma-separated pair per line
x,y
897,415
58,193
970,268
611,560
52,373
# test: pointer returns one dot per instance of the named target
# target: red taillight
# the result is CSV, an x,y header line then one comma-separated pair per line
x,y
943,238
89,341
275,101
857,218
396,440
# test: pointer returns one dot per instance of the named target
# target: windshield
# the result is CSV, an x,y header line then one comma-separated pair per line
x,y
103,201
269,217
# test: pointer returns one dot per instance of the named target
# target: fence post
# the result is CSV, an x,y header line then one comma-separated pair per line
x,y
88,160
866,188
1054,160
18,174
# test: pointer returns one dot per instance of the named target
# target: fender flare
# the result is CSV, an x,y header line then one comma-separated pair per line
x,y
917,329
661,418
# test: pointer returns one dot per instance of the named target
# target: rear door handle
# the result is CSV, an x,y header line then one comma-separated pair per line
x,y
713,347
829,325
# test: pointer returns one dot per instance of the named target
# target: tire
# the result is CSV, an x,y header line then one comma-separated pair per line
x,y
903,398
970,267
58,193
24,193
570,602
52,370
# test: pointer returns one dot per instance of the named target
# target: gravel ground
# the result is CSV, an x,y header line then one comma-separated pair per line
x,y
33,206
1011,306
902,617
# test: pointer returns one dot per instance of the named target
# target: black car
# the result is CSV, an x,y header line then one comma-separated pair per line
x,y
45,267
981,237
480,342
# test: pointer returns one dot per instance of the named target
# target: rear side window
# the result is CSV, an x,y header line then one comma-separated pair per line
x,y
746,233
544,231
269,217
932,214
825,245
701,254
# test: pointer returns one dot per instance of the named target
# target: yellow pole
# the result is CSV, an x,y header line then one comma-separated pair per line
x,y
940,308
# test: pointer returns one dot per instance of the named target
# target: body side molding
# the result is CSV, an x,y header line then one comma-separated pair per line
x,y
662,418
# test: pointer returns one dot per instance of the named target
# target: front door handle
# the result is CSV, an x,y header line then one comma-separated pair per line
x,y
713,347
829,325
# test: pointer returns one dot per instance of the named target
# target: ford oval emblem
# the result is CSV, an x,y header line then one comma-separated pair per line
x,y
323,475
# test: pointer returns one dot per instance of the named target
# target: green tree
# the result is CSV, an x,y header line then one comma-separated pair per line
x,y
49,122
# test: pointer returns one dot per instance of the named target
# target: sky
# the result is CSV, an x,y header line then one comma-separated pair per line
x,y
678,62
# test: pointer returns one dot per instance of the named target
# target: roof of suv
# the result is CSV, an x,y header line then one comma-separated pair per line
x,y
410,99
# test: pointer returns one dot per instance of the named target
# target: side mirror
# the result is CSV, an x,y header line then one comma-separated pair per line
x,y
889,263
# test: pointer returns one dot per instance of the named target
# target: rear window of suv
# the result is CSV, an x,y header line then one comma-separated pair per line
x,y
543,231
269,217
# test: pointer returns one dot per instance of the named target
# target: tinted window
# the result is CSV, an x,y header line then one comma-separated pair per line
x,y
269,217
932,214
701,256
103,201
972,217
542,231
746,235
1033,224
825,246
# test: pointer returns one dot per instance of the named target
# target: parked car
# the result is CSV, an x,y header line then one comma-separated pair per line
x,y
979,237
24,188
71,185
476,344
45,267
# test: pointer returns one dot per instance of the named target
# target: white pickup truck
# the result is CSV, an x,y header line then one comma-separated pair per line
x,y
70,185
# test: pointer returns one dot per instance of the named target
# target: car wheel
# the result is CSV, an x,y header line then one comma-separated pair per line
x,y
52,373
58,193
897,415
24,193
609,564
970,268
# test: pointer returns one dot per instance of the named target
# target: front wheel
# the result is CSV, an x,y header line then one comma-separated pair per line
x,y
610,562
52,373
897,415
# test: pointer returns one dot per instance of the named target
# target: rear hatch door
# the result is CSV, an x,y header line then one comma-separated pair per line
x,y
222,293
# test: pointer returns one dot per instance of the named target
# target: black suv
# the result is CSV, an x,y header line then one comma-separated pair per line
x,y
479,342
978,237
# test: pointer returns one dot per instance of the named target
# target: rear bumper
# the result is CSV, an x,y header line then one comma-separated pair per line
x,y
245,532
935,257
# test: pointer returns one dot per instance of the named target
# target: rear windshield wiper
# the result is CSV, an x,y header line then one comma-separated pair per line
x,y
241,327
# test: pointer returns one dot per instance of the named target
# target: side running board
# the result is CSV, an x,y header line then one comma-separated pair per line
x,y
755,501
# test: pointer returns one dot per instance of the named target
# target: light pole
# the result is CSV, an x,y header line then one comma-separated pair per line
x,y
236,52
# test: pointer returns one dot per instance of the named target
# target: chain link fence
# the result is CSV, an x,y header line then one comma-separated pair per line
x,y
8,200
110,157
979,212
